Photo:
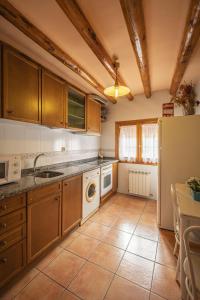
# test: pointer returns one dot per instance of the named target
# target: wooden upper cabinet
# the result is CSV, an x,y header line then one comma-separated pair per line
x,y
54,98
76,110
71,203
93,116
21,87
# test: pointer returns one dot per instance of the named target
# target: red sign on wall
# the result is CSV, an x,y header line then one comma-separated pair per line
x,y
168,109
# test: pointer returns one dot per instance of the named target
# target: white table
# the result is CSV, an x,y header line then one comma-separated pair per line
x,y
189,211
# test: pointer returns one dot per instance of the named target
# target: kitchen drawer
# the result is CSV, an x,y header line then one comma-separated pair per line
x,y
12,237
12,220
10,204
39,193
12,261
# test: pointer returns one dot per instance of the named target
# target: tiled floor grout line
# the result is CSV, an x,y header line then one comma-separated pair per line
x,y
153,270
26,284
72,294
109,286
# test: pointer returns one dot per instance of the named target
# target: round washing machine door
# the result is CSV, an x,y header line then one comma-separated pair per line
x,y
91,192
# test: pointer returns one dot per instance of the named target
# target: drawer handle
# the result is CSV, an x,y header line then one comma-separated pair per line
x,y
3,243
9,111
3,260
3,206
57,198
3,225
66,184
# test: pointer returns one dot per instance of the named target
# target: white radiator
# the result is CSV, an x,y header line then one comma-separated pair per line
x,y
139,183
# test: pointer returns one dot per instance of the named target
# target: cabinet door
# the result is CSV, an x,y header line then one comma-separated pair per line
x,y
93,116
21,87
115,176
12,261
43,224
53,100
76,110
71,203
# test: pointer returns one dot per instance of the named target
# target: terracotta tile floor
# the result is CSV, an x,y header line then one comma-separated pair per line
x,y
118,254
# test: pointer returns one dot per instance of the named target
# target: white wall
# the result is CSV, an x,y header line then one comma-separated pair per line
x,y
28,140
139,108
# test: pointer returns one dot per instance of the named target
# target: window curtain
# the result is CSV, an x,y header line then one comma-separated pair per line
x,y
128,143
150,143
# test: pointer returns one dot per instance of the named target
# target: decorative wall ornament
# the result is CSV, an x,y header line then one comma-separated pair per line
x,y
186,97
168,109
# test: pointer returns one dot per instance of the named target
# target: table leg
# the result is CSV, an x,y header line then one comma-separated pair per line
x,y
183,226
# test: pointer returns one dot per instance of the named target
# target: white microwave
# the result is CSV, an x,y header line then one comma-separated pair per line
x,y
10,169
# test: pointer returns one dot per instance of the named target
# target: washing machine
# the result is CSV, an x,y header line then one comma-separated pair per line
x,y
91,193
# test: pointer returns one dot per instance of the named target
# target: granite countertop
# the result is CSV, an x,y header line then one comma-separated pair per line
x,y
29,181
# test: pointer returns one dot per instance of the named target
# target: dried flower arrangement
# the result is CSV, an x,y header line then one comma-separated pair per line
x,y
186,97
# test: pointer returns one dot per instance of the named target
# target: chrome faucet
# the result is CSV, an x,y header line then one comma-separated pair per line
x,y
35,161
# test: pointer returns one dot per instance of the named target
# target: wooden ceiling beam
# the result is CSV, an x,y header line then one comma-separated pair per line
x,y
81,23
11,14
134,17
189,41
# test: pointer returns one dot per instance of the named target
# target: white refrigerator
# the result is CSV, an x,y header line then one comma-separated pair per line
x,y
179,159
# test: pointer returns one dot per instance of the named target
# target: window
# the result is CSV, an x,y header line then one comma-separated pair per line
x,y
128,143
137,141
150,143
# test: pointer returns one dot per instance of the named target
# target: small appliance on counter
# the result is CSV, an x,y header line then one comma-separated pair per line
x,y
10,169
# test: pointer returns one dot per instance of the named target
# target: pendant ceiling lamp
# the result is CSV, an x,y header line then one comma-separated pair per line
x,y
116,90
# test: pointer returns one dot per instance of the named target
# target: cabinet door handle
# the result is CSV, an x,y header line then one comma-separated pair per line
x,y
3,260
66,184
57,198
3,243
61,122
3,225
3,207
9,111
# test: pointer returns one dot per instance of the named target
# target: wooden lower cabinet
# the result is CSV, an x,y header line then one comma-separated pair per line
x,y
12,261
44,220
12,220
71,203
51,210
115,176
12,237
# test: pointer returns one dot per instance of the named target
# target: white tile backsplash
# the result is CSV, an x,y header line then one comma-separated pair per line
x,y
29,139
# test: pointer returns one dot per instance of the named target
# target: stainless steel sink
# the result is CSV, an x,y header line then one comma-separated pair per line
x,y
48,174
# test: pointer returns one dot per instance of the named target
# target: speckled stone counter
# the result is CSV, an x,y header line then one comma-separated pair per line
x,y
29,182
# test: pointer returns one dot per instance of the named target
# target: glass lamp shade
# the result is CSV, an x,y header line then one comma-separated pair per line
x,y
117,91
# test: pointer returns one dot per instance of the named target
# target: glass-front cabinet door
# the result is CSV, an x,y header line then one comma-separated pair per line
x,y
76,109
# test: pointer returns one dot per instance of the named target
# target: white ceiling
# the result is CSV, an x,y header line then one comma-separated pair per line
x,y
164,22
